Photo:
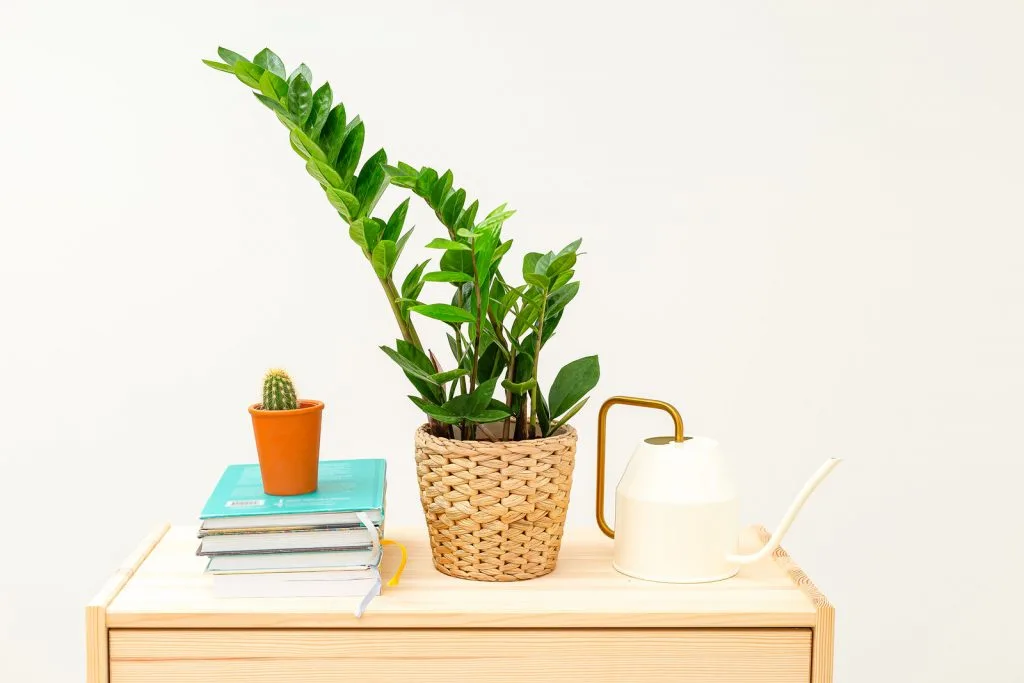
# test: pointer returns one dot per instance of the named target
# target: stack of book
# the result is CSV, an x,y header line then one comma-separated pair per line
x,y
321,544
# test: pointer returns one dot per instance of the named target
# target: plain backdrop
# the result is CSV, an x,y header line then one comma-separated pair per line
x,y
802,224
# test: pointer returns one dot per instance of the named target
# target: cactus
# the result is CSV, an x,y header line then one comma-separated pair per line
x,y
279,391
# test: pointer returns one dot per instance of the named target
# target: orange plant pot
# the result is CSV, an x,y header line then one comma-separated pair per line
x,y
288,445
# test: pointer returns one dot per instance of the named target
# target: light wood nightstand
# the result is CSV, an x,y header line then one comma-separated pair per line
x,y
157,621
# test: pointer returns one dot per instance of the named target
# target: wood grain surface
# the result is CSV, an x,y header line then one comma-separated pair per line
x,y
96,657
170,590
823,645
442,656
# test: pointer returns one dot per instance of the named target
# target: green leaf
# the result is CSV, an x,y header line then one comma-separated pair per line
x,y
372,182
365,232
425,182
480,398
445,313
543,414
407,365
438,243
273,86
306,148
440,190
229,56
560,298
219,66
319,109
550,324
333,133
351,148
509,299
561,264
271,104
346,203
553,427
530,263
501,250
457,261
446,276
403,239
489,415
352,124
271,62
475,403
519,387
467,218
437,412
412,284
495,219
384,256
300,98
286,118
497,210
572,383
406,181
492,363
415,355
397,220
406,169
524,320
248,73
301,69
562,279
571,248
453,207
324,174
445,377
537,280
544,262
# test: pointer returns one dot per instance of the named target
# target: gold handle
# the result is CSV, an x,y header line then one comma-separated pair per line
x,y
602,420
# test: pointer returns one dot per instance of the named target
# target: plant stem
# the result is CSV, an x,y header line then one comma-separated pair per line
x,y
406,326
511,374
479,324
458,346
520,433
536,365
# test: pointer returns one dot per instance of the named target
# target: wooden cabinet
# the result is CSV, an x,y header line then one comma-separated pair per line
x,y
157,621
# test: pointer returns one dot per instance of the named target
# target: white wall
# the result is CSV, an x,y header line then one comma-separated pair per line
x,y
802,223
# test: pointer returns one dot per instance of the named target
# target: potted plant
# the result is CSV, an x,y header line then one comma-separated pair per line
x,y
494,470
287,432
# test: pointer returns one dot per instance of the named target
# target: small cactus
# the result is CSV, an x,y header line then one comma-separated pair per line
x,y
279,391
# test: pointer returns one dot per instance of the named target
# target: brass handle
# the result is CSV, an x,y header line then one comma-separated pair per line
x,y
602,420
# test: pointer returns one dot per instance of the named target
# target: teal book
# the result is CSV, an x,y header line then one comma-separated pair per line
x,y
345,487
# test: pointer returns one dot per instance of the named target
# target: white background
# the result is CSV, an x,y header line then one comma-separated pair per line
x,y
802,223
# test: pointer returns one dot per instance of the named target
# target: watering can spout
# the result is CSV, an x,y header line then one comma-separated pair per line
x,y
790,515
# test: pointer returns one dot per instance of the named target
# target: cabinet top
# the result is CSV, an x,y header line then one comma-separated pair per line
x,y
163,586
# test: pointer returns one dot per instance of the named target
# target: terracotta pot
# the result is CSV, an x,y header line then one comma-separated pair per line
x,y
495,509
288,444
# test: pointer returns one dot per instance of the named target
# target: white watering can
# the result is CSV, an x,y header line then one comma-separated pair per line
x,y
676,510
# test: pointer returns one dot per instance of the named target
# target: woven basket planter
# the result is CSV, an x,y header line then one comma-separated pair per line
x,y
495,509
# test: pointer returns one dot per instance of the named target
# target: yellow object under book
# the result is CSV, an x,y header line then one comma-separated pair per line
x,y
393,581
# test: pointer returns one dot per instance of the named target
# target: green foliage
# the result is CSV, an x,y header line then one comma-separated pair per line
x,y
279,391
497,330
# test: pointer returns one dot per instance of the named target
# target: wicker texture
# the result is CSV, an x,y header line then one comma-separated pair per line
x,y
495,509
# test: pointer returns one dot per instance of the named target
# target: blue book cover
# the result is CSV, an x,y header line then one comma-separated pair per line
x,y
343,486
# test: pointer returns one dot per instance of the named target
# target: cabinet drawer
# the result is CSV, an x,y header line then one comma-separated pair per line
x,y
771,655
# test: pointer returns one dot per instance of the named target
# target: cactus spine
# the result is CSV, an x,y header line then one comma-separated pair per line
x,y
279,391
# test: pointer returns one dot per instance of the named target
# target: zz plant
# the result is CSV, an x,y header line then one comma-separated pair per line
x,y
497,330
